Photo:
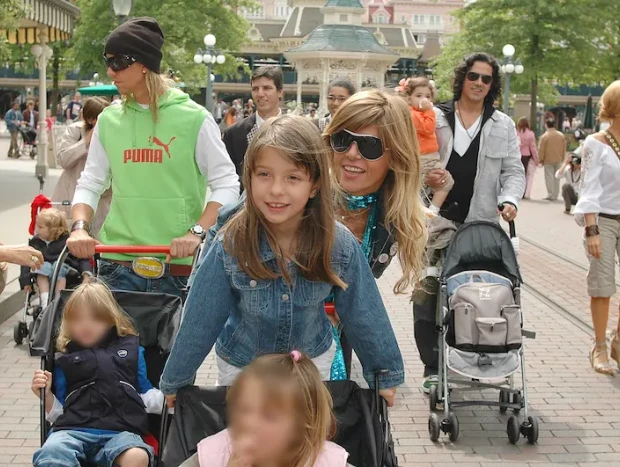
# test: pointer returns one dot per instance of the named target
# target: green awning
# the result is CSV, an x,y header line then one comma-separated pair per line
x,y
100,90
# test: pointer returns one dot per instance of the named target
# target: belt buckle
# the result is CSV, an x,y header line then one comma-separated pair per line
x,y
148,267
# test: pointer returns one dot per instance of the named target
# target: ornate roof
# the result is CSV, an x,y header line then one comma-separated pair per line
x,y
342,38
344,3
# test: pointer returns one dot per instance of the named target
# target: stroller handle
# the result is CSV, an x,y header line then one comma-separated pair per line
x,y
511,224
142,249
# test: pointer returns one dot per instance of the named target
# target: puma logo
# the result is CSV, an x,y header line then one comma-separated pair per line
x,y
166,147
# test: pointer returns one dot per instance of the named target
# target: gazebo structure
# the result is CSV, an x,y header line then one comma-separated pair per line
x,y
339,47
44,21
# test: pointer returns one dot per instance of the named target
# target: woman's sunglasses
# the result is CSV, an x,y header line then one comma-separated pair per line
x,y
370,147
473,76
119,62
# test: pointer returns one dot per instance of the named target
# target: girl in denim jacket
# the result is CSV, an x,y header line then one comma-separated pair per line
x,y
261,286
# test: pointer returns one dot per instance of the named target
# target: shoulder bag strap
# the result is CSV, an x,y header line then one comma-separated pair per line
x,y
613,142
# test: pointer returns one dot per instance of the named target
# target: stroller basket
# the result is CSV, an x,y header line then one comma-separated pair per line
x,y
362,425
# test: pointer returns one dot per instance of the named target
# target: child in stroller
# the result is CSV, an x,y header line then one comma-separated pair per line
x,y
101,391
52,232
280,414
29,138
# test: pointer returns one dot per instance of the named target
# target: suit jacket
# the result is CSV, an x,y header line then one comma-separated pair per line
x,y
236,140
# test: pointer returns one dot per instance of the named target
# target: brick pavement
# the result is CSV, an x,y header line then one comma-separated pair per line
x,y
578,410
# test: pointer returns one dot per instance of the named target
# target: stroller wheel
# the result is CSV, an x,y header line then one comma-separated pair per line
x,y
517,399
454,426
433,397
531,430
19,332
433,427
512,429
503,399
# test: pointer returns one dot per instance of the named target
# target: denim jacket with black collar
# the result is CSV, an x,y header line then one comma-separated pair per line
x,y
246,317
500,176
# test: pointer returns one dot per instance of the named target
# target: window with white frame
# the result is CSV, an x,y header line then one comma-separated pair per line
x,y
257,12
416,19
432,19
380,18
403,19
282,10
421,39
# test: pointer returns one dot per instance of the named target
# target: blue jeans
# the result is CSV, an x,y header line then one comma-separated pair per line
x,y
70,447
118,277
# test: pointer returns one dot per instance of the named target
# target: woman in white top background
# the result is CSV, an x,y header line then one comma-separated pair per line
x,y
598,209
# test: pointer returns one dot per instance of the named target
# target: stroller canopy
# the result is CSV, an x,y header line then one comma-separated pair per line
x,y
481,245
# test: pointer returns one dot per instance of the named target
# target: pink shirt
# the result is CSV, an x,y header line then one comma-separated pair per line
x,y
527,143
215,451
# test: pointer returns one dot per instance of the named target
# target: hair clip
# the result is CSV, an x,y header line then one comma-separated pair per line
x,y
296,355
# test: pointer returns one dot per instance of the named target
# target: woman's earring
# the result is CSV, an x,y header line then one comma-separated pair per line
x,y
313,194
144,72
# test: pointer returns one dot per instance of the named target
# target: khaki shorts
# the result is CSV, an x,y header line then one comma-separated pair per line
x,y
602,271
433,161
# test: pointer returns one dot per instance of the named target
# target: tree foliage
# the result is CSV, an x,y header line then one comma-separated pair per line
x,y
10,13
555,40
184,22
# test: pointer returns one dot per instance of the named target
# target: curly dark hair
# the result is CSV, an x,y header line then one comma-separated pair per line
x,y
460,73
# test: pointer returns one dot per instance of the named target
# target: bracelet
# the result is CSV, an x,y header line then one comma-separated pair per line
x,y
81,224
592,230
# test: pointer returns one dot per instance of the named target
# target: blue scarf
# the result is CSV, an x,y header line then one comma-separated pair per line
x,y
362,202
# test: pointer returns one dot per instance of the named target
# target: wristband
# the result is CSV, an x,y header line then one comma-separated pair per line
x,y
592,231
81,224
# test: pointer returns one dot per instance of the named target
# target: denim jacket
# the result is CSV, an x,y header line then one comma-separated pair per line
x,y
500,177
246,317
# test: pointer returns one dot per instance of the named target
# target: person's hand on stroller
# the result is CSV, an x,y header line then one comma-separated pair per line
x,y
43,379
509,212
28,288
184,246
81,244
388,394
171,400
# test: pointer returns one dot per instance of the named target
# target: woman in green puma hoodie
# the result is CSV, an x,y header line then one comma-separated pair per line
x,y
159,150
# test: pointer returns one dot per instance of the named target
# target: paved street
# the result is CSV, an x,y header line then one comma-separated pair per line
x,y
578,409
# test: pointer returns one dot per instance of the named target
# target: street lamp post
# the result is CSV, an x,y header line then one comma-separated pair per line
x,y
121,9
42,54
509,66
209,56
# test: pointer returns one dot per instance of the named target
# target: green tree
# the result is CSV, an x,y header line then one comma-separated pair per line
x,y
10,14
555,40
184,22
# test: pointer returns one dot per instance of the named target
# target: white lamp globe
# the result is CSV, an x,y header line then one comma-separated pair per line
x,y
212,77
503,68
221,59
48,51
213,59
206,58
36,50
508,50
197,58
209,40
519,68
510,68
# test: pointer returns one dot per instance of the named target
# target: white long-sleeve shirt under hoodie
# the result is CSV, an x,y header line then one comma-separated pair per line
x,y
212,159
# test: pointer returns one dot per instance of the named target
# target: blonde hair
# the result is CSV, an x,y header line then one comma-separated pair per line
x,y
156,85
99,300
404,213
55,221
609,105
284,379
297,139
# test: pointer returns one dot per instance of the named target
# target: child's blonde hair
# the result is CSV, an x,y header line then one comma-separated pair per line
x,y
404,211
288,377
99,300
297,139
55,221
609,105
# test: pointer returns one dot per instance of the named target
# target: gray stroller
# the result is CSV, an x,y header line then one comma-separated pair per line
x,y
480,323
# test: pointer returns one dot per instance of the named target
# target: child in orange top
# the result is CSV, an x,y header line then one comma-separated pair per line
x,y
419,93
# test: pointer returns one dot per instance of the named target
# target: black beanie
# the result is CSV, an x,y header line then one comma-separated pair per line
x,y
140,38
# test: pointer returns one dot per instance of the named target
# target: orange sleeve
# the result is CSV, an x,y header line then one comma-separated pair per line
x,y
424,122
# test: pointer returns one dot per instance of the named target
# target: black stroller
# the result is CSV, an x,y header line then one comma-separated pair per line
x,y
362,415
155,316
28,143
480,323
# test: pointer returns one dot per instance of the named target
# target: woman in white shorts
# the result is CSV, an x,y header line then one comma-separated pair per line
x,y
598,209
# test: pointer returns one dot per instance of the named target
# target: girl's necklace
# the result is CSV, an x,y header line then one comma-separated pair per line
x,y
458,114
363,203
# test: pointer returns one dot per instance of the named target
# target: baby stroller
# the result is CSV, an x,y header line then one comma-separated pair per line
x,y
156,317
28,144
480,323
23,328
362,415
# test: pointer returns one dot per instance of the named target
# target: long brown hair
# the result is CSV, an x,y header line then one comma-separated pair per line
x,y
295,138
93,106
286,378
523,124
99,300
404,212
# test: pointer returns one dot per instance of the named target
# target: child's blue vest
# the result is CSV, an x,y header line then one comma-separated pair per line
x,y
102,386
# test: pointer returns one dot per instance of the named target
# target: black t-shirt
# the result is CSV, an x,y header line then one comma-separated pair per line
x,y
74,109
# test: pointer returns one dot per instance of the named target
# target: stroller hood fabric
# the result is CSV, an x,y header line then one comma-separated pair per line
x,y
481,246
155,316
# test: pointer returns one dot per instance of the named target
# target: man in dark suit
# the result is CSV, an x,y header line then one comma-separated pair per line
x,y
267,82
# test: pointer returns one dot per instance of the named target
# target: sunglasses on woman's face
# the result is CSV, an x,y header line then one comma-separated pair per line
x,y
369,147
118,62
473,76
